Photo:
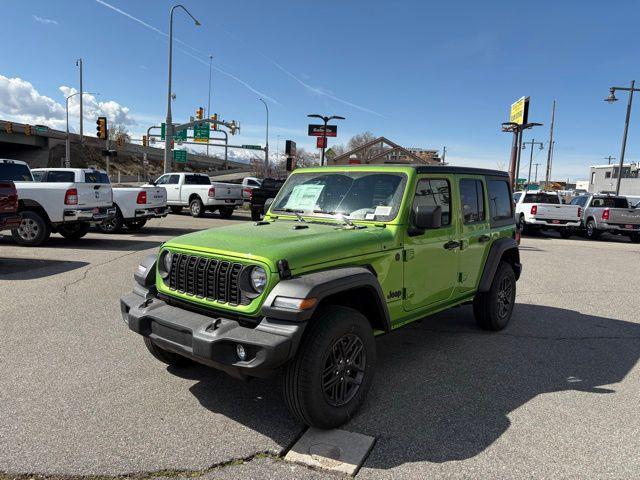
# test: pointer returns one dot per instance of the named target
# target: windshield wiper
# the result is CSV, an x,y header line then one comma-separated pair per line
x,y
340,216
292,210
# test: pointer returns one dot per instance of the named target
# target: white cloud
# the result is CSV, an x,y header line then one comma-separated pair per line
x,y
21,102
45,21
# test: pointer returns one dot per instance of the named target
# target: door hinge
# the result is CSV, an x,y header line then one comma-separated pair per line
x,y
407,255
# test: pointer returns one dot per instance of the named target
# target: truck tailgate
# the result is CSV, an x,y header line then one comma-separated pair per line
x,y
624,216
557,212
92,195
156,197
228,191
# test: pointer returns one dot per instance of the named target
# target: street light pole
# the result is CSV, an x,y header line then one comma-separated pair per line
x,y
266,148
532,143
612,98
326,120
67,146
209,101
79,64
169,121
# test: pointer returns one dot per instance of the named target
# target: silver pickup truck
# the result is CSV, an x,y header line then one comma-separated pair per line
x,y
608,213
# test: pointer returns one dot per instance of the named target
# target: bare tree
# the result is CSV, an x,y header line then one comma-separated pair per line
x,y
118,129
501,165
360,139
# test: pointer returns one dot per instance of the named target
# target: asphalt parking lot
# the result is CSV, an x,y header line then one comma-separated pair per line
x,y
554,395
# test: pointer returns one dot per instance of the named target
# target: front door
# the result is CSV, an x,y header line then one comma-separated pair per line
x,y
476,232
431,257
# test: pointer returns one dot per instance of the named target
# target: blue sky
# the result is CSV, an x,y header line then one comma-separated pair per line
x,y
421,73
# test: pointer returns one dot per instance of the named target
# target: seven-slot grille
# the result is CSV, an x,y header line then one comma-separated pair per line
x,y
208,278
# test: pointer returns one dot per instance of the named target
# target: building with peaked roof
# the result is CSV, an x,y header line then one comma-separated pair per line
x,y
383,150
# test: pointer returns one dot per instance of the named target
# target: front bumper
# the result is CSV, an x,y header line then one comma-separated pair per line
x,y
98,214
212,340
153,212
9,221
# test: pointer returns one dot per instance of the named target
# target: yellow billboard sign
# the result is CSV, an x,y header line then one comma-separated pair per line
x,y
520,111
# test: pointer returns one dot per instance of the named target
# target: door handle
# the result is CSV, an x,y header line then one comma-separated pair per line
x,y
451,245
484,238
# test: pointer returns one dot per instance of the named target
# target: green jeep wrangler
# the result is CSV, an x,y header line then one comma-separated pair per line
x,y
342,255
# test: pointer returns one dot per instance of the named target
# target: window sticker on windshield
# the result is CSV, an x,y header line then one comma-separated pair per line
x,y
382,211
370,216
304,197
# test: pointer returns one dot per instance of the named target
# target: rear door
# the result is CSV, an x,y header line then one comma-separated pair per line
x,y
431,258
476,232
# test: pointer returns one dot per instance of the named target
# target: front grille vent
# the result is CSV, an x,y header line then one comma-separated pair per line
x,y
207,278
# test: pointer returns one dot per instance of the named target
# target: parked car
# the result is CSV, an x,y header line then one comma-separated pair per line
x,y
540,210
9,216
68,208
248,185
268,190
343,254
608,213
134,205
196,191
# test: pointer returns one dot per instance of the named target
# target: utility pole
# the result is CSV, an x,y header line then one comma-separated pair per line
x,y
79,64
535,179
444,154
609,158
547,177
266,147
532,143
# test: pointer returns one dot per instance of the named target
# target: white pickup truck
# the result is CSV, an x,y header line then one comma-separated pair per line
x,y
134,205
539,210
196,191
68,208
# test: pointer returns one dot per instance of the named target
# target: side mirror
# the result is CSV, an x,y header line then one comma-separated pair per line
x,y
426,217
267,204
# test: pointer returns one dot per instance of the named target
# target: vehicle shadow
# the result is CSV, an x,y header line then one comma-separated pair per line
x,y
444,389
31,269
102,242
157,231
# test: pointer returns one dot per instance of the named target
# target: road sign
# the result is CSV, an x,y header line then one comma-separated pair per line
x,y
318,130
201,133
177,136
180,156
321,142
330,153
519,111
252,147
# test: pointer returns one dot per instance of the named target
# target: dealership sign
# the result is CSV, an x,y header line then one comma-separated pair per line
x,y
319,131
520,111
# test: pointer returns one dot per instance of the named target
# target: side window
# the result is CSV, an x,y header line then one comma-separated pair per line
x,y
500,206
433,192
173,179
516,197
38,176
163,180
472,200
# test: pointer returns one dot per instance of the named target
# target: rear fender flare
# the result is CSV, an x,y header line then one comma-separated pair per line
x,y
498,250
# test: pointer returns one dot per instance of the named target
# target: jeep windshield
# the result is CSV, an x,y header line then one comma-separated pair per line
x,y
354,195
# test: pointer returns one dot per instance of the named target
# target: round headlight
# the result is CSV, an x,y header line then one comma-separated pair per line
x,y
258,279
165,263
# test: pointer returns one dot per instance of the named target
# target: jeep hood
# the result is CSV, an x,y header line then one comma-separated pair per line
x,y
301,244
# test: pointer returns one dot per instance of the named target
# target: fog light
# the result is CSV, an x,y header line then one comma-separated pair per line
x,y
241,352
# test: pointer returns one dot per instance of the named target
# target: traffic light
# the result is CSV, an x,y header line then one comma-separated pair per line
x,y
120,141
214,125
200,113
101,128
8,127
144,140
27,129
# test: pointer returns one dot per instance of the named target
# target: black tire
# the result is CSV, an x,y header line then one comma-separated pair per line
x,y
74,231
196,207
33,230
175,209
136,225
113,225
336,338
225,212
256,215
522,226
494,309
591,232
564,233
165,356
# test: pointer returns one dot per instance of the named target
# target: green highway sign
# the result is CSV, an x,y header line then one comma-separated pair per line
x,y
252,147
180,156
201,133
181,135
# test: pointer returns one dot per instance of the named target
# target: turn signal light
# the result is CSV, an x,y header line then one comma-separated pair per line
x,y
142,198
212,192
71,197
579,212
605,214
534,209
